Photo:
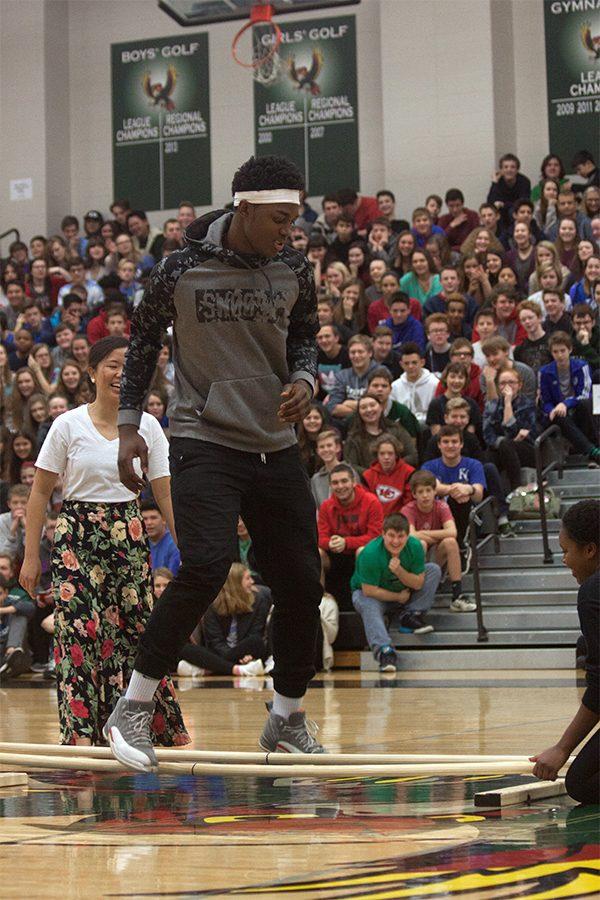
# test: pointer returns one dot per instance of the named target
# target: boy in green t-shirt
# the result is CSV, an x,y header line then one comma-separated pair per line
x,y
391,579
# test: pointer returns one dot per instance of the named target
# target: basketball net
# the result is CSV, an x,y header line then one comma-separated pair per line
x,y
265,61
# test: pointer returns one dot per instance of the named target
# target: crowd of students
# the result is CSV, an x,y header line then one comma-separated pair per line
x,y
446,344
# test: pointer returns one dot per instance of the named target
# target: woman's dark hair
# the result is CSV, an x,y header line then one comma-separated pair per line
x,y
99,351
267,173
582,522
104,347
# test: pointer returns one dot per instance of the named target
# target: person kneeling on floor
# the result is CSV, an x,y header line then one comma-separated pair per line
x,y
432,522
392,581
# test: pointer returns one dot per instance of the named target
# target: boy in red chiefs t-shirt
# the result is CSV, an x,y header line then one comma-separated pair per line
x,y
432,523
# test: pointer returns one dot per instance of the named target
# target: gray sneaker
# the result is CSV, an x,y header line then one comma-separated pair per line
x,y
292,736
128,733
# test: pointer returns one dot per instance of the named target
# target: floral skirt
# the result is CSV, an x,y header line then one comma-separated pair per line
x,y
103,597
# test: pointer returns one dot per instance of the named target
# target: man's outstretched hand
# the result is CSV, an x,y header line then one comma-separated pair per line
x,y
132,446
295,404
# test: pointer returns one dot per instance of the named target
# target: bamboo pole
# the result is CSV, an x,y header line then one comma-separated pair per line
x,y
271,759
88,764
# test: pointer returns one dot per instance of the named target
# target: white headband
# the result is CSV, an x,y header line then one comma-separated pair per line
x,y
285,195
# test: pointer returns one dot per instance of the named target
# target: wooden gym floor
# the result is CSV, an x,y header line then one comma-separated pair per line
x,y
78,835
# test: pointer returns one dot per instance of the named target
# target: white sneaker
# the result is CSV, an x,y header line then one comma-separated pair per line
x,y
463,603
187,670
255,667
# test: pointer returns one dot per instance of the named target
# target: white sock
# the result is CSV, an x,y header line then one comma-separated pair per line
x,y
502,520
285,706
141,688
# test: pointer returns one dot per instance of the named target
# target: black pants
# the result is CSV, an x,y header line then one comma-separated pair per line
x,y
510,456
211,486
582,780
578,427
222,664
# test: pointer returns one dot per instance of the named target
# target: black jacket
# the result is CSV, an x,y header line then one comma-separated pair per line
x,y
215,628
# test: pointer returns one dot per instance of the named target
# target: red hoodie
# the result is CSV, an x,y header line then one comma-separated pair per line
x,y
359,523
391,488
473,388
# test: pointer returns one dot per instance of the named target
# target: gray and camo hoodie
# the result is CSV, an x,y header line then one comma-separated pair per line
x,y
243,327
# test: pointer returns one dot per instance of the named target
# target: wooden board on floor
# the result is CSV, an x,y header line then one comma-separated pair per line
x,y
13,779
521,793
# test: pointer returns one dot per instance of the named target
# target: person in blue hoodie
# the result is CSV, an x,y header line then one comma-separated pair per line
x,y
243,308
565,391
405,328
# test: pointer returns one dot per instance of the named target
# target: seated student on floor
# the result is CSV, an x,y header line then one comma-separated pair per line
x,y
460,479
347,521
510,426
232,633
392,580
16,610
432,523
565,391
388,476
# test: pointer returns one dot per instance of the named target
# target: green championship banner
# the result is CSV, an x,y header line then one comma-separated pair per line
x,y
306,105
161,122
573,75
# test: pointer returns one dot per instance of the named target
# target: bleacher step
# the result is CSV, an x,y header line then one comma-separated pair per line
x,y
522,543
504,560
575,477
480,657
505,618
530,638
566,598
528,526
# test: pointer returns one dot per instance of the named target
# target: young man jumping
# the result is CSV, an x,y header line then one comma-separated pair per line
x,y
244,314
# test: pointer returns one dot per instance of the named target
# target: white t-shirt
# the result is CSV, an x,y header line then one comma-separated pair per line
x,y
75,449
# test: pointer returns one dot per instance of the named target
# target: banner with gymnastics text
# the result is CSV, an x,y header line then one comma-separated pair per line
x,y
573,76
161,122
308,110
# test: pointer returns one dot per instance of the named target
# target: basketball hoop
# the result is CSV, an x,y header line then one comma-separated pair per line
x,y
265,60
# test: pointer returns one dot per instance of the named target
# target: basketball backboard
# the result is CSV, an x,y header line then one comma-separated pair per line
x,y
206,12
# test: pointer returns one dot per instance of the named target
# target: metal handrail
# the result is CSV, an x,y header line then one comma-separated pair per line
x,y
477,545
14,231
553,431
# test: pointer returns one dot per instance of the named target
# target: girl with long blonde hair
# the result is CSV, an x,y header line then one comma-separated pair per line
x,y
232,632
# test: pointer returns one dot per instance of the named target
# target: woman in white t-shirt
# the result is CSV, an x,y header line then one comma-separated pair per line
x,y
100,561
